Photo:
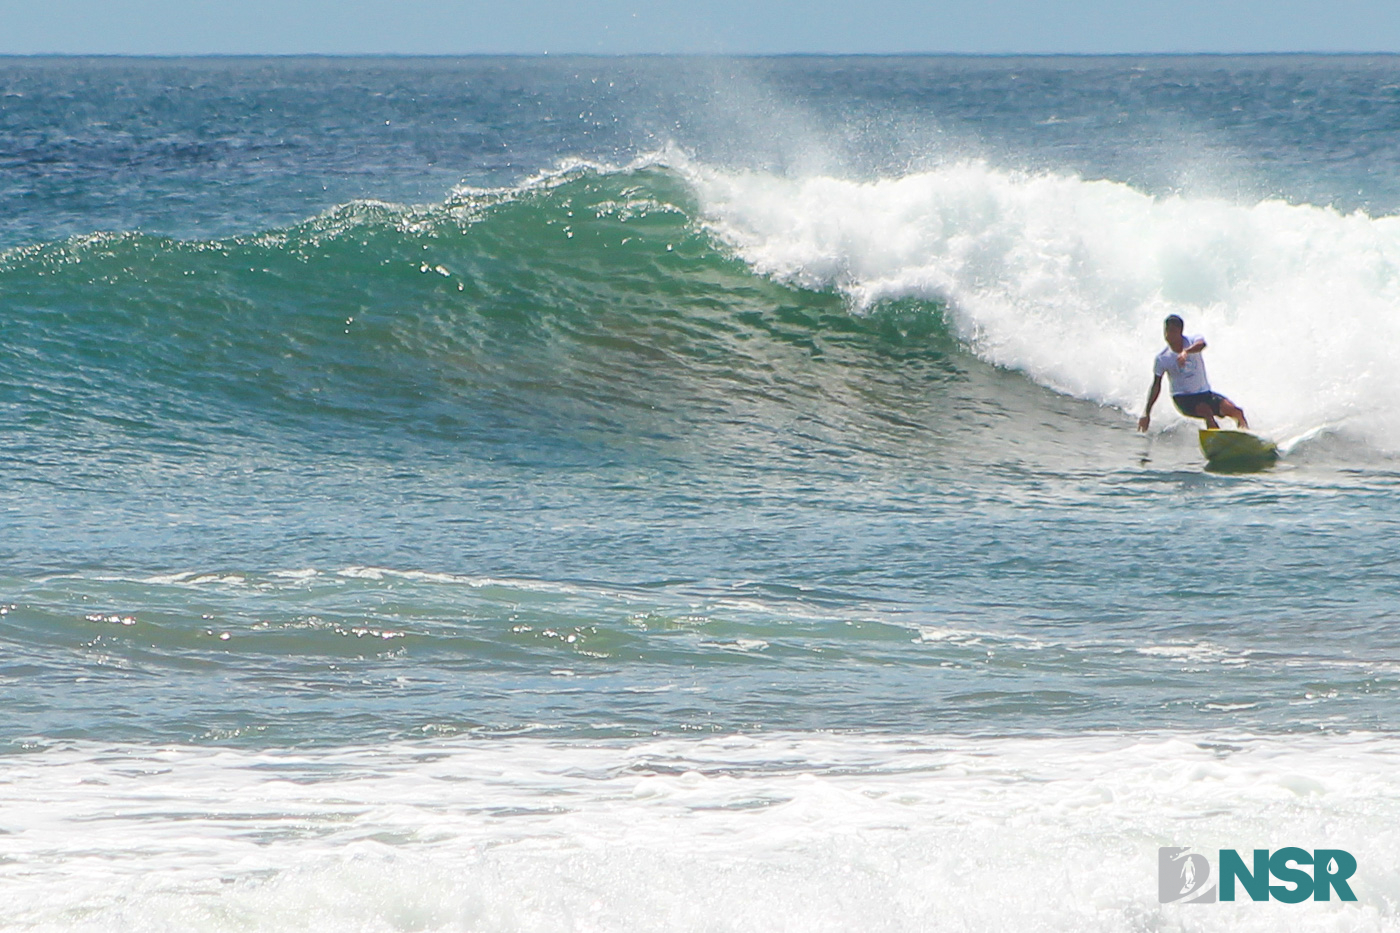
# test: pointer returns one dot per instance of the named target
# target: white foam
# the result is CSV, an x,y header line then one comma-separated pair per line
x,y
1068,280
783,832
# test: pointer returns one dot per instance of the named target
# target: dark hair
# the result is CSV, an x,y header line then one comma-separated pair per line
x,y
1173,319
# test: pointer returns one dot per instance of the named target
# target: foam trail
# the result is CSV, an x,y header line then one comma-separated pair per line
x,y
795,832
1068,280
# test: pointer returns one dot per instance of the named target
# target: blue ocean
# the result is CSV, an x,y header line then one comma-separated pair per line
x,y
630,494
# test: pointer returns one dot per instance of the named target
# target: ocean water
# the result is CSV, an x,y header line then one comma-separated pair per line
x,y
690,494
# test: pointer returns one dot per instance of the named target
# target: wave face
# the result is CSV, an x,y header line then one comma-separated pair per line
x,y
587,300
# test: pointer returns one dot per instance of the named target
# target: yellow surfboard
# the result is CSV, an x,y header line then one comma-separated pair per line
x,y
1237,450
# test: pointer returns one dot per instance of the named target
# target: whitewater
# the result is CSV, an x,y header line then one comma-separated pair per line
x,y
1067,280
611,494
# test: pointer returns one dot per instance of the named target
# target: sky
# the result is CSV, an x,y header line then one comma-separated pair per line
x,y
451,27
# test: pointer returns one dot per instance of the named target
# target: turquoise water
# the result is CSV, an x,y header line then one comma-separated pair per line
x,y
565,465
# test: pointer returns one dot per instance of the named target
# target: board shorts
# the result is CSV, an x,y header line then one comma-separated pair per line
x,y
1186,404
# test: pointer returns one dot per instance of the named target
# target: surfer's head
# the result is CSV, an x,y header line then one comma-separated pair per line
x,y
1171,330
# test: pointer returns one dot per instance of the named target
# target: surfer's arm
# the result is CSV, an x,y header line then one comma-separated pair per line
x,y
1152,394
1196,347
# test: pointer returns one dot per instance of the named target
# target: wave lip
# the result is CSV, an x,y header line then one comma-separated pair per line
x,y
1068,280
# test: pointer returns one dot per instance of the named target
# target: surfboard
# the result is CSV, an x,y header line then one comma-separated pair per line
x,y
1238,450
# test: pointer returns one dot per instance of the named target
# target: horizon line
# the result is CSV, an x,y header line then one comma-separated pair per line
x,y
621,55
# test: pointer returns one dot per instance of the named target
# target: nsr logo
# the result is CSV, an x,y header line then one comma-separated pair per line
x,y
1184,876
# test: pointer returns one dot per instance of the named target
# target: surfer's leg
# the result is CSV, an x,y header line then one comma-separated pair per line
x,y
1229,409
1203,410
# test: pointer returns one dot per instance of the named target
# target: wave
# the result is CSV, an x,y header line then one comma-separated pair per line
x,y
650,298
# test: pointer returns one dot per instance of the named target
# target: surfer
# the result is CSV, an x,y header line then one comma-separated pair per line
x,y
1191,392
